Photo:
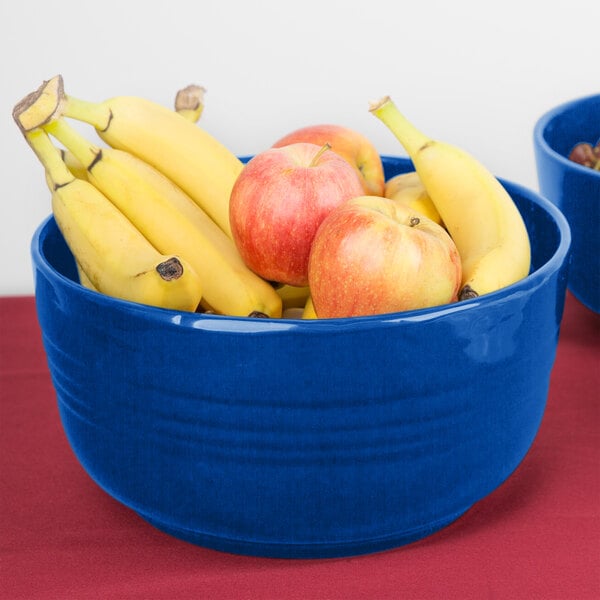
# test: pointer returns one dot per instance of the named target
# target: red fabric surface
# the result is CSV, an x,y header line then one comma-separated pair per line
x,y
61,537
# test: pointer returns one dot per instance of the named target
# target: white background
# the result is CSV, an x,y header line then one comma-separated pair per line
x,y
477,74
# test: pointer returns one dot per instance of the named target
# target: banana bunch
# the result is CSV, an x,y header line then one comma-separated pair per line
x,y
146,215
477,211
114,256
149,200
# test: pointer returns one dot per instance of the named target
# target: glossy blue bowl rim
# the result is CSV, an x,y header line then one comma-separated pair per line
x,y
553,114
273,325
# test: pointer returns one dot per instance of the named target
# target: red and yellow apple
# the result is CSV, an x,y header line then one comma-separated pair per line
x,y
372,255
278,202
351,145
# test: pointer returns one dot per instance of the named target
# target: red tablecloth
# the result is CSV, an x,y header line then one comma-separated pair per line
x,y
63,538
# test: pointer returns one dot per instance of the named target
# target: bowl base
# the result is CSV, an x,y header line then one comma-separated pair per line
x,y
303,550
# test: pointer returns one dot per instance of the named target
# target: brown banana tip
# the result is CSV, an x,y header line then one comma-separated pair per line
x,y
170,269
189,97
467,292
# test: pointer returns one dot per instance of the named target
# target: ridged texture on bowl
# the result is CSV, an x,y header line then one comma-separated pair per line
x,y
304,438
575,189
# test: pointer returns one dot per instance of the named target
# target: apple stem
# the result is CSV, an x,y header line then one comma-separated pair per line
x,y
414,221
322,150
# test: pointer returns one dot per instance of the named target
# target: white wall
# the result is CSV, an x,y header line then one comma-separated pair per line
x,y
473,73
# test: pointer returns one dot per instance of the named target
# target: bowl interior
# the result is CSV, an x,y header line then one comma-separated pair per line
x,y
568,124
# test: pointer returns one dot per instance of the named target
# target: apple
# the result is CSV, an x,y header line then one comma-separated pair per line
x,y
350,145
372,255
278,202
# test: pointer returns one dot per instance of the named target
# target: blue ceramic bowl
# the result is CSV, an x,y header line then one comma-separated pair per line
x,y
290,438
575,189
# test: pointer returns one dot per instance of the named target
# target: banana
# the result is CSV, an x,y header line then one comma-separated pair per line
x,y
193,159
172,222
114,256
309,310
189,103
293,296
408,189
84,280
480,215
75,166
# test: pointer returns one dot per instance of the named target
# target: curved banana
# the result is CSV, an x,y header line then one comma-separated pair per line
x,y
189,103
480,215
188,155
172,222
408,189
84,280
114,256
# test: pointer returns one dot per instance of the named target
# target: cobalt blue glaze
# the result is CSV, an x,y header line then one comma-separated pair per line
x,y
575,189
292,438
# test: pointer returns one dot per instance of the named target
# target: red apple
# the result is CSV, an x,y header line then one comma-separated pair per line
x,y
373,256
278,202
349,144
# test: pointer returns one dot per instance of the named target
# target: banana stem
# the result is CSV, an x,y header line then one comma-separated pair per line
x,y
93,113
407,134
49,155
41,106
189,102
86,152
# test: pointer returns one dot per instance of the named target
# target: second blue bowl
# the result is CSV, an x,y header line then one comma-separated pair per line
x,y
575,189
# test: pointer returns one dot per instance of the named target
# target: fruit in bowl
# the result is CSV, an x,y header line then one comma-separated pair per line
x,y
278,202
372,255
585,154
351,145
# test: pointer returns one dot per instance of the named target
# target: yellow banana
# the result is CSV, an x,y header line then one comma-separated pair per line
x,y
293,296
309,310
84,280
75,166
172,222
480,215
408,189
189,103
114,256
188,155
